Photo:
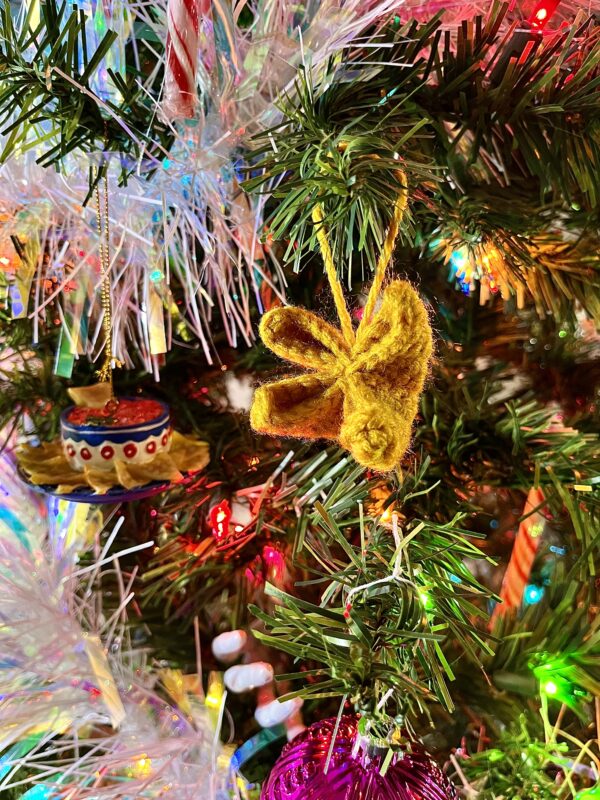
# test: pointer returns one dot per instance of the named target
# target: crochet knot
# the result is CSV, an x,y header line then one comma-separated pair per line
x,y
376,437
343,368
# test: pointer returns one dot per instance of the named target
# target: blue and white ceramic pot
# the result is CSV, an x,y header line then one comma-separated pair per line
x,y
100,440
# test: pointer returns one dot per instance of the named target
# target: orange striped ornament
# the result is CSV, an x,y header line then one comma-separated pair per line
x,y
523,553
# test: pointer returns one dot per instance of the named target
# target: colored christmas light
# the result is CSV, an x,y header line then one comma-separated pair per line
x,y
220,517
216,687
592,793
533,594
480,261
542,13
426,599
555,679
274,562
141,767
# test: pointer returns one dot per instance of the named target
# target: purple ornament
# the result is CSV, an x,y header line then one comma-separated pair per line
x,y
354,772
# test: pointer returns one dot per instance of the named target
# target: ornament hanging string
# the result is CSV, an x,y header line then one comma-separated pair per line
x,y
382,263
106,370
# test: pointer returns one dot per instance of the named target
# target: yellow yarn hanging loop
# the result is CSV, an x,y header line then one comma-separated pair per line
x,y
382,263
388,249
361,388
336,287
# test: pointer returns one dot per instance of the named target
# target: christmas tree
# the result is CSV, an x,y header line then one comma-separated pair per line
x,y
299,409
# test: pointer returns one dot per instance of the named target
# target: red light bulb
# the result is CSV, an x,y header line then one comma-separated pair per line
x,y
275,562
220,516
542,13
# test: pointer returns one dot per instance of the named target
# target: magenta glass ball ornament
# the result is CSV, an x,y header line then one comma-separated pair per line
x,y
354,772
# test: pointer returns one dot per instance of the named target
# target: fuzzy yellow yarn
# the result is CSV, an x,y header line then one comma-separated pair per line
x,y
363,387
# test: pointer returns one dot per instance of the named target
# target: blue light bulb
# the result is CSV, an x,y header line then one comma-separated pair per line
x,y
533,594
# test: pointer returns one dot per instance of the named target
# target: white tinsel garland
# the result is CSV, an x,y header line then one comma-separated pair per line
x,y
81,715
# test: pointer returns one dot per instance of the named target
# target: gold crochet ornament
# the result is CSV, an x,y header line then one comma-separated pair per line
x,y
363,386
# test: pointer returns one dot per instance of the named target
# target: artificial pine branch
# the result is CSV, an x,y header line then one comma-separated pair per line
x,y
534,256
474,437
387,608
46,97
518,760
467,121
553,647
190,568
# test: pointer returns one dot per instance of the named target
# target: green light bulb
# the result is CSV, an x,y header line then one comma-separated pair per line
x,y
589,794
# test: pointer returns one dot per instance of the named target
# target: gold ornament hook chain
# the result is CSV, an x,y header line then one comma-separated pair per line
x,y
105,373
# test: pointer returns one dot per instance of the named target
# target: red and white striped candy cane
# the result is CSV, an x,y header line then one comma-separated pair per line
x,y
180,96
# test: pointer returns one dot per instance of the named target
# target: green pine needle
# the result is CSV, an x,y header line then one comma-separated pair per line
x,y
386,612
